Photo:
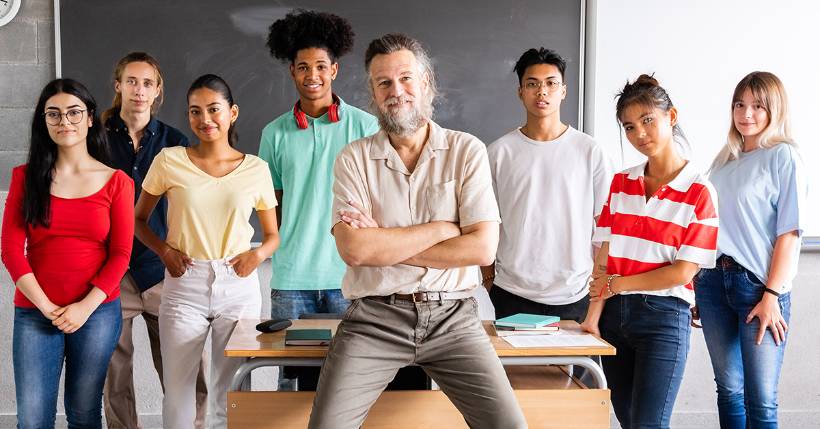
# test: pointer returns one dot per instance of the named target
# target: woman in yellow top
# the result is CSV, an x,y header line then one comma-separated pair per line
x,y
210,279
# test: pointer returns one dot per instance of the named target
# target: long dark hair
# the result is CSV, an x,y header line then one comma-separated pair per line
x,y
42,154
217,84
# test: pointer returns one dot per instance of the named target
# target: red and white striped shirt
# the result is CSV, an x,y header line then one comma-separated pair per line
x,y
680,221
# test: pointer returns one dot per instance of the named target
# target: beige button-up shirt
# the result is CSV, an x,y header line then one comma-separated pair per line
x,y
451,182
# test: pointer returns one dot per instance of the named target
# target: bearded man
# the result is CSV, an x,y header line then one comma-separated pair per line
x,y
414,215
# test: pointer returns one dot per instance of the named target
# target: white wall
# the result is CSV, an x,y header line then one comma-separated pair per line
x,y
699,50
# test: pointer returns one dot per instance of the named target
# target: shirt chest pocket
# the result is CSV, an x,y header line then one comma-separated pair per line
x,y
442,202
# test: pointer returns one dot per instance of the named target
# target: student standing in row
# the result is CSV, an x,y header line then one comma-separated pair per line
x,y
300,147
658,227
551,182
135,138
211,279
760,182
66,240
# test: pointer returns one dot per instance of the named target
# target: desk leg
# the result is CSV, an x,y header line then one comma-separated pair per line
x,y
241,379
582,361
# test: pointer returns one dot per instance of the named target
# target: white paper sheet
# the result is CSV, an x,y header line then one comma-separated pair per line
x,y
557,340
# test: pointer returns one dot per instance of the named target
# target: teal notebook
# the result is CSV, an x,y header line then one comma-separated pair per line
x,y
524,320
307,337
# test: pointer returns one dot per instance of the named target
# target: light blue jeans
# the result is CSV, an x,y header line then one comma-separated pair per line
x,y
38,352
290,304
746,373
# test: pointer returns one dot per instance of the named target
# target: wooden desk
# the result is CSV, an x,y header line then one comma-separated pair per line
x,y
548,394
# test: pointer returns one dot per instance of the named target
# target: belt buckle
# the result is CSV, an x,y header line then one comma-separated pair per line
x,y
413,296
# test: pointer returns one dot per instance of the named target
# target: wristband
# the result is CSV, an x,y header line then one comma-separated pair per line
x,y
771,291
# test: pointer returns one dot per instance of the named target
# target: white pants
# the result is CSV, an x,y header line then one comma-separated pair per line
x,y
208,297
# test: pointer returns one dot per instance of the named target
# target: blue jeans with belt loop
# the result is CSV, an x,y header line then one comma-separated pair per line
x,y
39,350
651,335
746,374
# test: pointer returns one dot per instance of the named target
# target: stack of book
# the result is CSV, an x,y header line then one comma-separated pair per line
x,y
526,324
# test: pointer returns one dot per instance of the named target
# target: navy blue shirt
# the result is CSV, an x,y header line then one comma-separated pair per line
x,y
145,267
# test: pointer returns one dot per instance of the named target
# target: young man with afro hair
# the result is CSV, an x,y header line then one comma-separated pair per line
x,y
300,147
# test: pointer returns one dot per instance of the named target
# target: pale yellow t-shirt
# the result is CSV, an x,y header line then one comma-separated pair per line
x,y
208,217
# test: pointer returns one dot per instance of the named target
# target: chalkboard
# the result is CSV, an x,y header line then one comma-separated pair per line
x,y
474,46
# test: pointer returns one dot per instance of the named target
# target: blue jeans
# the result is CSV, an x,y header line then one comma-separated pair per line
x,y
746,373
651,334
39,349
290,304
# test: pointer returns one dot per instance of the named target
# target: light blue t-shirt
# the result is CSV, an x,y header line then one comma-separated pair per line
x,y
761,196
301,164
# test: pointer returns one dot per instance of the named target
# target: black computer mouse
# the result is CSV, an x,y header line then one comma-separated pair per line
x,y
274,325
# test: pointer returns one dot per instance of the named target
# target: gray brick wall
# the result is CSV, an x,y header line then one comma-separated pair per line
x,y
26,65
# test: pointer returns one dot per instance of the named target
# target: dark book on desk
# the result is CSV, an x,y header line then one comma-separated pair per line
x,y
524,320
307,337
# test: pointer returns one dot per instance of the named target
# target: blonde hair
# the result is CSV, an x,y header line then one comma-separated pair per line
x,y
134,57
767,90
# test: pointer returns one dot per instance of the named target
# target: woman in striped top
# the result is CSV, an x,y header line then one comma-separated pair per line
x,y
658,227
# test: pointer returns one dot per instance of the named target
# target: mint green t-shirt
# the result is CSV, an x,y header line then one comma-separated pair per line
x,y
301,164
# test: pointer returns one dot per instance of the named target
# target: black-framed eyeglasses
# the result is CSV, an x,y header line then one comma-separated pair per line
x,y
74,116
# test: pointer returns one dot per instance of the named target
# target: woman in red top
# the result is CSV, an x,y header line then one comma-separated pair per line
x,y
66,241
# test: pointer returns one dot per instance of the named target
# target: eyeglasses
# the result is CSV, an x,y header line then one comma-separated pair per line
x,y
551,85
74,116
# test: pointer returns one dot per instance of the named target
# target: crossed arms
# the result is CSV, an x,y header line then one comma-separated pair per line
x,y
438,244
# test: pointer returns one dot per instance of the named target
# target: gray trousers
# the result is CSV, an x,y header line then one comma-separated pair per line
x,y
377,337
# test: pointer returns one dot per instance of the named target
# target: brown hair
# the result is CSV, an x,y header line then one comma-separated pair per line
x,y
134,57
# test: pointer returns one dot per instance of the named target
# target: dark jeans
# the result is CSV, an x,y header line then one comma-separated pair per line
x,y
39,349
651,334
507,304
746,373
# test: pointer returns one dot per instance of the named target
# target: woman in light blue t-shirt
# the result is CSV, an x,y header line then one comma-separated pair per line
x,y
761,191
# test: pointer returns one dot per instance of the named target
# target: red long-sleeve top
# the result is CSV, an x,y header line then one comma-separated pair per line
x,y
87,244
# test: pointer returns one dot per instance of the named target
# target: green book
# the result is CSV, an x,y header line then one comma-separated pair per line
x,y
524,320
307,337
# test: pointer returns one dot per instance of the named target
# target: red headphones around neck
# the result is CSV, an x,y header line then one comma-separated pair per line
x,y
301,117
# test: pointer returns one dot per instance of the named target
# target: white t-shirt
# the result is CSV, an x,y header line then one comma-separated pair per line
x,y
549,194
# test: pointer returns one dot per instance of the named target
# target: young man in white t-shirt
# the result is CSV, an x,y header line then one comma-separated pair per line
x,y
551,181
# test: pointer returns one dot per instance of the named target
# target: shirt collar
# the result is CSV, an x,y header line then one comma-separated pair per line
x,y
381,147
116,123
682,182
333,114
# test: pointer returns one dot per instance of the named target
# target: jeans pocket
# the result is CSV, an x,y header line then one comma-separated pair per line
x,y
232,272
184,273
351,308
752,278
661,304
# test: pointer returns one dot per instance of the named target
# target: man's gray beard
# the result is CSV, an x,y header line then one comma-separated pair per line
x,y
404,122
